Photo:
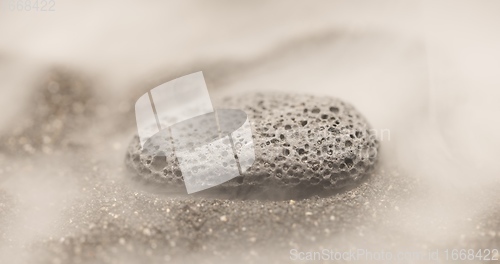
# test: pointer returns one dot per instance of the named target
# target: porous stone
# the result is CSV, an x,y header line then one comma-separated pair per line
x,y
300,141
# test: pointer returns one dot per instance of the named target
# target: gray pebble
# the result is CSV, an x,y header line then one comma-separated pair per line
x,y
300,141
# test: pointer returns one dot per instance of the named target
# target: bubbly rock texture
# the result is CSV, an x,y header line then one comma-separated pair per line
x,y
300,141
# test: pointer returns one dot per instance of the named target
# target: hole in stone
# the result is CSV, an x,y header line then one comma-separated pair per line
x,y
159,162
334,109
348,162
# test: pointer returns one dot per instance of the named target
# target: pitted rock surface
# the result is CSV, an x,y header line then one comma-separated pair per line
x,y
299,141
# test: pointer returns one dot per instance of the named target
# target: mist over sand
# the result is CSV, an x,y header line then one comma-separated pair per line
x,y
427,71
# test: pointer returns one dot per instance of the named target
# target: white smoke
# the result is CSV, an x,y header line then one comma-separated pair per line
x,y
425,70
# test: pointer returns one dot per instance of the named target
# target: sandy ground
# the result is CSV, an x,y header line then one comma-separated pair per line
x,y
65,196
